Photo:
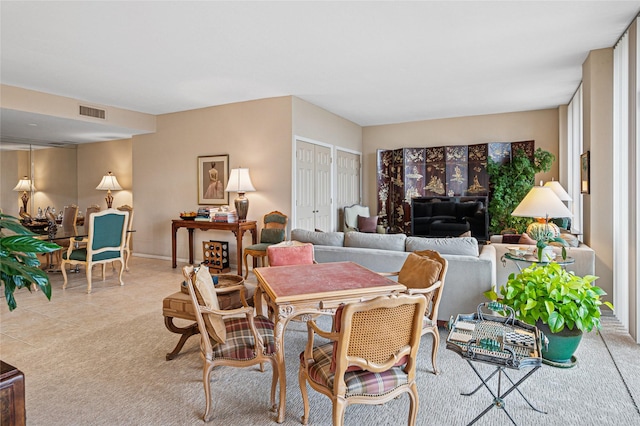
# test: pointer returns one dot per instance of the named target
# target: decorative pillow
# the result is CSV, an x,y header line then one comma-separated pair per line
x,y
419,271
215,325
465,234
367,224
271,235
526,239
572,240
511,239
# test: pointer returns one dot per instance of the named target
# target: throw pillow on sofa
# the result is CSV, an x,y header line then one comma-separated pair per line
x,y
367,224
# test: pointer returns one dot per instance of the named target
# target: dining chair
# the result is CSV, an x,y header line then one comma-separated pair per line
x,y
233,338
273,232
105,243
127,247
424,273
69,216
370,357
94,208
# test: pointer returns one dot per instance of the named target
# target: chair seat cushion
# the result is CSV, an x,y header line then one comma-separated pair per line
x,y
81,255
239,343
259,247
359,382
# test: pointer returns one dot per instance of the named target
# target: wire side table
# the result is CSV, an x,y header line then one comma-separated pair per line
x,y
503,342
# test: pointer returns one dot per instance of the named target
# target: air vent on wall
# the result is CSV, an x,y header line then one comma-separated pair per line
x,y
88,111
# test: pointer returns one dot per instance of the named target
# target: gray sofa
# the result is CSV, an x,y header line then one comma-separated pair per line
x,y
471,270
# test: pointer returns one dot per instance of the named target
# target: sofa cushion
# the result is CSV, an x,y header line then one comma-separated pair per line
x,y
367,224
467,209
335,239
395,242
422,209
465,246
445,208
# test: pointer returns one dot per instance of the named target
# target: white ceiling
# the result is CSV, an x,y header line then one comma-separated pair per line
x,y
370,62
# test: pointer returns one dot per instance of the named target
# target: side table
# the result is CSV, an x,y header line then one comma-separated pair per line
x,y
502,342
530,259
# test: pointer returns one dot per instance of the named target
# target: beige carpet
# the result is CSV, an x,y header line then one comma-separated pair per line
x,y
114,373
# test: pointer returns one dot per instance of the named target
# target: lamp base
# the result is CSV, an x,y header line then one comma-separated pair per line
x,y
109,199
537,230
242,207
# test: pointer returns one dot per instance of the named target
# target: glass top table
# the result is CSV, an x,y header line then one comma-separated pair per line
x,y
530,259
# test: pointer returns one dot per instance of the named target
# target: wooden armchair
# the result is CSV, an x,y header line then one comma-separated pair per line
x,y
273,232
234,337
424,272
372,356
105,243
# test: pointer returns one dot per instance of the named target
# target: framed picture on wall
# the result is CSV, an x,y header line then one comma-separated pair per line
x,y
213,174
584,173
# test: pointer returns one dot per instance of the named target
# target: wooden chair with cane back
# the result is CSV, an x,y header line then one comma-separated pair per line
x,y
273,232
371,356
424,273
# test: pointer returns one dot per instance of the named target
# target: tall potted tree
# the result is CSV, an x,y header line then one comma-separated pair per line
x,y
561,304
510,183
19,264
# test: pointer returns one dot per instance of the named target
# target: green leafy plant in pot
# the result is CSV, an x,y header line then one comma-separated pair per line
x,y
561,304
19,264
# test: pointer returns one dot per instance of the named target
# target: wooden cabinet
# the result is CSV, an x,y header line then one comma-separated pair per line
x,y
12,405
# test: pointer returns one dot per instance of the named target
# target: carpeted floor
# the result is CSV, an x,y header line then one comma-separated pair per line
x,y
108,368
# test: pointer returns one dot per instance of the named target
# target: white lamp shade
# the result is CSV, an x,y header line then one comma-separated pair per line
x,y
541,202
240,181
109,182
24,184
559,190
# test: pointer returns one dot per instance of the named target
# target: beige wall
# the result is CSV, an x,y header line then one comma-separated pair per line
x,y
255,134
55,177
313,122
541,126
597,78
94,161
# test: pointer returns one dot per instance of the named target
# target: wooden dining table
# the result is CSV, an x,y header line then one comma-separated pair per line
x,y
307,290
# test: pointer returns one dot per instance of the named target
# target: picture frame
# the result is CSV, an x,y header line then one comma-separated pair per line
x,y
213,175
585,166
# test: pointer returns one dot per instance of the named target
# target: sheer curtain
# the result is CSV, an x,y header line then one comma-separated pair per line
x,y
626,180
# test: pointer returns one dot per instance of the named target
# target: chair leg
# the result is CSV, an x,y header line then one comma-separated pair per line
x,y
246,266
434,348
302,380
89,268
121,271
127,255
413,404
339,406
63,268
206,377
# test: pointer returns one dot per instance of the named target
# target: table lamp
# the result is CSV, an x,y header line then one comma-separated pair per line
x,y
558,189
542,204
25,186
240,182
108,183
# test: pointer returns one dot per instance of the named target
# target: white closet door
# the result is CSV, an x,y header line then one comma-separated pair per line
x,y
348,182
313,186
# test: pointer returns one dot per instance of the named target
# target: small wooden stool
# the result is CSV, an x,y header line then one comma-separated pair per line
x,y
178,305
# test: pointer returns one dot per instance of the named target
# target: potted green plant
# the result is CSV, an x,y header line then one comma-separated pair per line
x,y
561,304
544,236
19,264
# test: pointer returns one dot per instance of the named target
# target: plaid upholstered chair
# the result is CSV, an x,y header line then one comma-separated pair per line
x,y
424,272
273,232
372,356
233,338
105,243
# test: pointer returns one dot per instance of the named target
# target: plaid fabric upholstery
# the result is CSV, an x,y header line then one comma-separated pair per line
x,y
360,382
239,343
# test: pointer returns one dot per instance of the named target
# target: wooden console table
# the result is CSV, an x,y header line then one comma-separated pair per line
x,y
238,229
